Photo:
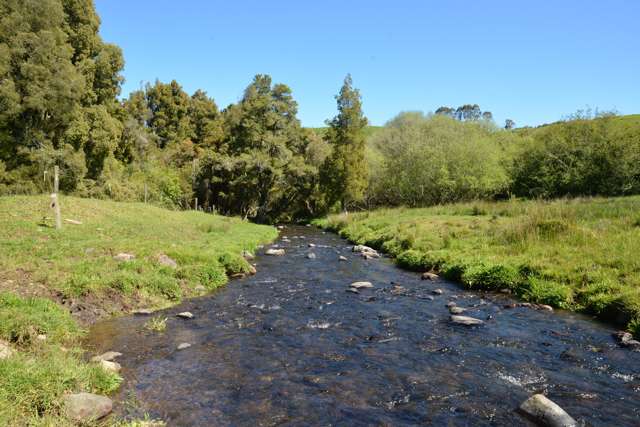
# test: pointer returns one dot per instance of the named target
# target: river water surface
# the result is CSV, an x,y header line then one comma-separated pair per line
x,y
290,346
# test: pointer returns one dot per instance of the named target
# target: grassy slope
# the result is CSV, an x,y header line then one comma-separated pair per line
x,y
577,254
40,265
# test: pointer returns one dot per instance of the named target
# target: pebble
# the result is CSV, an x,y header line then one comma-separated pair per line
x,y
343,258
456,310
274,252
429,276
437,292
312,245
311,255
183,346
108,356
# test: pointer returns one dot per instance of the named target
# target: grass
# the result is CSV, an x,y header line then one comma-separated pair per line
x,y
579,254
41,267
156,324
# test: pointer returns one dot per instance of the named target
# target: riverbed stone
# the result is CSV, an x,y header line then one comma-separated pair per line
x,y
108,356
361,285
365,251
311,255
353,290
5,350
185,315
183,346
456,310
544,307
626,340
85,407
450,304
312,245
437,291
466,320
343,258
546,412
274,252
429,276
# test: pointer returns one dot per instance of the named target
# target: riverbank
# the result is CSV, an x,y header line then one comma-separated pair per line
x,y
578,254
109,259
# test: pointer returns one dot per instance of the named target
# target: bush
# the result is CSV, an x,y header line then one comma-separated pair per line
x,y
490,277
234,263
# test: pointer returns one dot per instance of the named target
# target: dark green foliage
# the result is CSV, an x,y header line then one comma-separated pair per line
x,y
345,172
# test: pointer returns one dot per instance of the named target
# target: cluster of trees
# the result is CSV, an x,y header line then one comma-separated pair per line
x,y
59,88
419,160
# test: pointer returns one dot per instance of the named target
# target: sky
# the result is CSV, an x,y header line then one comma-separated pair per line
x,y
531,61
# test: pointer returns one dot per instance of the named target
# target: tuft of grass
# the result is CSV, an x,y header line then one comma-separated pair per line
x,y
579,254
156,324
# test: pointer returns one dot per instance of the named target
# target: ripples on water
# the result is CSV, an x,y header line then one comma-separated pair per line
x,y
290,346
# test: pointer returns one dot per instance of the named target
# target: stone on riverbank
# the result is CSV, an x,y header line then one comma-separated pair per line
x,y
110,366
365,251
466,320
108,356
274,252
545,412
85,407
166,261
5,350
247,255
124,257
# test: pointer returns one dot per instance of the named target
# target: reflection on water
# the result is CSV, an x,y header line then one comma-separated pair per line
x,y
291,346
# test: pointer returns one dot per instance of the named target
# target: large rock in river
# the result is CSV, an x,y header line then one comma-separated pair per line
x,y
466,320
545,412
274,252
85,407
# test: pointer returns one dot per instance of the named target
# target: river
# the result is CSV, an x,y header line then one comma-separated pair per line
x,y
291,346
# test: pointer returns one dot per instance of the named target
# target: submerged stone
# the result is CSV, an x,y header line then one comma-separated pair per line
x,y
185,315
108,356
466,320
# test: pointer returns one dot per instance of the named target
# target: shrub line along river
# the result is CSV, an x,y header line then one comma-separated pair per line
x,y
291,346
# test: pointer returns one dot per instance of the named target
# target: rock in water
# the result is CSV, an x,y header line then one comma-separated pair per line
x,y
5,350
166,261
437,291
247,255
456,310
429,276
366,251
361,285
466,320
312,245
183,346
185,315
343,258
84,407
311,255
274,252
546,412
108,356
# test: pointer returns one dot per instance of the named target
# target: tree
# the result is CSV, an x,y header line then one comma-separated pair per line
x,y
509,124
169,107
344,173
446,111
487,116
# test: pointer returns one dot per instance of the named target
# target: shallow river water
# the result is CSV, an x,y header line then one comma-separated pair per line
x,y
290,346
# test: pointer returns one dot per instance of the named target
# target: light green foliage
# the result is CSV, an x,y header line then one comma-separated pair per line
x,y
580,157
578,254
419,160
344,174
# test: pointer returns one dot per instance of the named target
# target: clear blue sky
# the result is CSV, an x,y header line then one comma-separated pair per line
x,y
532,61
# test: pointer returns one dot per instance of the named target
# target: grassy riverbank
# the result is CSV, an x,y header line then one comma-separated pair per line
x,y
579,254
52,282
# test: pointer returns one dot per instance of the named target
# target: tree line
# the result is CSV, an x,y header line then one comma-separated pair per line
x,y
59,105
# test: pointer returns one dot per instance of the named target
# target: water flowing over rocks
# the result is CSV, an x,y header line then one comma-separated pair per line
x,y
297,345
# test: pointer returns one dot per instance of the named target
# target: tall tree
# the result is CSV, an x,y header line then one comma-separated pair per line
x,y
344,173
509,124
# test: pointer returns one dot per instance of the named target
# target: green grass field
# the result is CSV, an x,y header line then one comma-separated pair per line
x,y
579,254
41,268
